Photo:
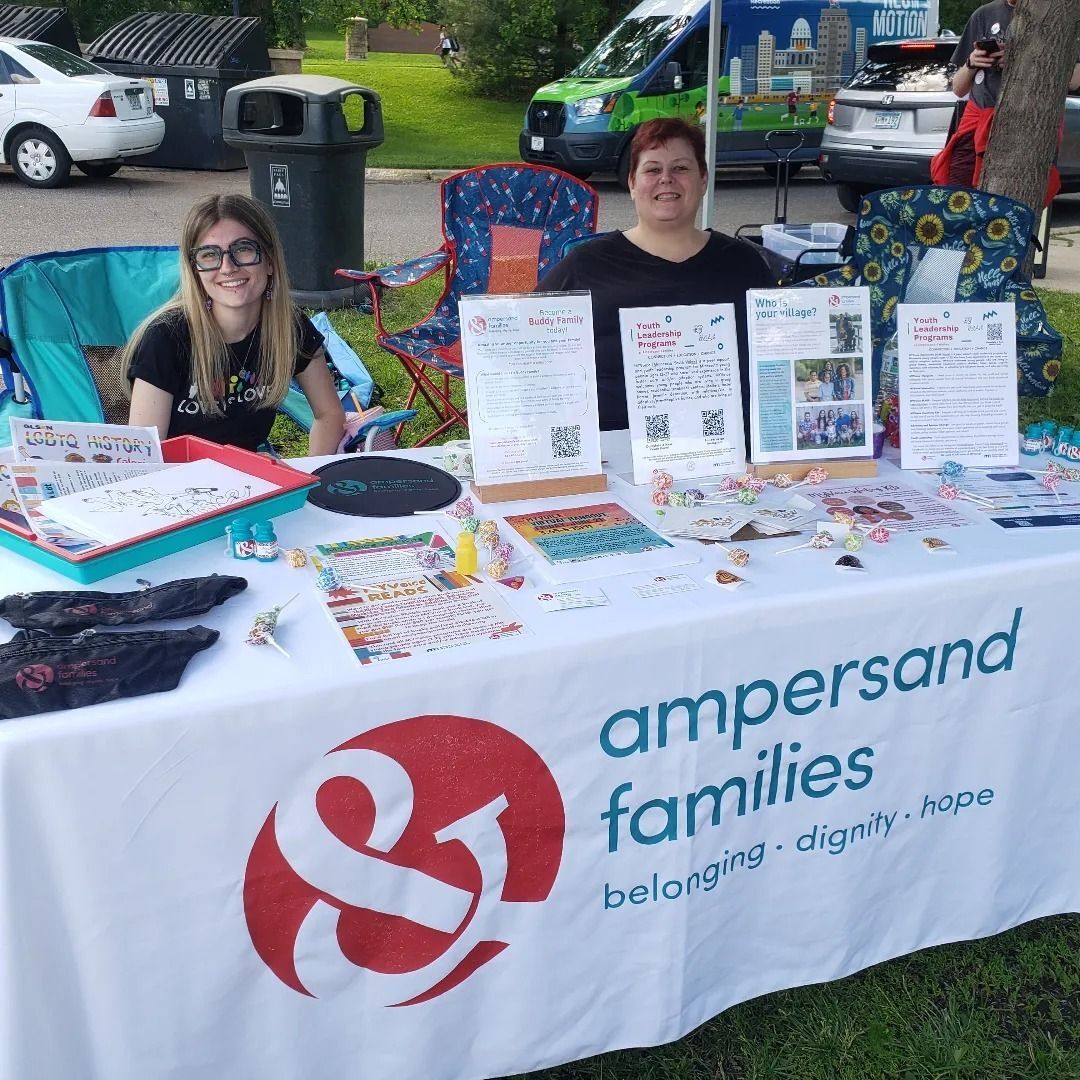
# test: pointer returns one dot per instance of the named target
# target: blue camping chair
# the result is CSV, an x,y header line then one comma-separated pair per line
x,y
503,226
66,314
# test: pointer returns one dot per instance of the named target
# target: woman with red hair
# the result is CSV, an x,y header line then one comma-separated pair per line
x,y
665,259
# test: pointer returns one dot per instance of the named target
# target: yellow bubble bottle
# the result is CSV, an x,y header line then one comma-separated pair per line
x,y
465,553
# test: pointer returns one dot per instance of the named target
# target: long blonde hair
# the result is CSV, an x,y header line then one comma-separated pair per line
x,y
209,352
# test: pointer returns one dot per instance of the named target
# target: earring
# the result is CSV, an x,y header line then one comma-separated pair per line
x,y
208,304
269,294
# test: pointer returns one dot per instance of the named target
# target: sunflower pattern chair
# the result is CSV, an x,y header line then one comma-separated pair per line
x,y
993,231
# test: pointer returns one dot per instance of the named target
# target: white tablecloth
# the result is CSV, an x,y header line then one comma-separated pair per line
x,y
592,836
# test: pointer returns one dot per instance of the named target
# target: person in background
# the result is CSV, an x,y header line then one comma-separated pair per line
x,y
665,259
978,61
806,428
447,48
830,429
217,360
812,389
856,429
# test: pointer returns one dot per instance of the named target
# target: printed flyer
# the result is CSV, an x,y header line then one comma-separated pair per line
x,y
957,384
582,542
102,444
810,392
683,390
530,384
418,613
1018,499
378,558
898,507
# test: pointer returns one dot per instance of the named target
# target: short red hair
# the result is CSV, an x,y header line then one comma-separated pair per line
x,y
654,133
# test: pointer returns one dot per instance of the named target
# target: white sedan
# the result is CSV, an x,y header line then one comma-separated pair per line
x,y
56,108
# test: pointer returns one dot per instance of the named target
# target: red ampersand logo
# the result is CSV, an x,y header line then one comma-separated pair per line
x,y
478,324
34,677
399,859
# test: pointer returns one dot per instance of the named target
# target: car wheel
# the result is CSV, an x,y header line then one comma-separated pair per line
x,y
772,168
99,170
39,158
623,171
850,197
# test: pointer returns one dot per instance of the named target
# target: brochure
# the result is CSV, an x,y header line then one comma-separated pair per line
x,y
810,393
103,444
958,398
530,384
683,390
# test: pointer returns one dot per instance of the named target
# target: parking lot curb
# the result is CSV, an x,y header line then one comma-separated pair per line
x,y
406,176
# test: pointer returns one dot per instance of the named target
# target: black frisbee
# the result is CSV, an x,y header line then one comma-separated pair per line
x,y
377,485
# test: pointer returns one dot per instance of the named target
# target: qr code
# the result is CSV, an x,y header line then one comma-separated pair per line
x,y
712,423
657,427
994,331
566,441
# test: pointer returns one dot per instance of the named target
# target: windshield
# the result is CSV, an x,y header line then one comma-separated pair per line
x,y
59,60
906,70
630,47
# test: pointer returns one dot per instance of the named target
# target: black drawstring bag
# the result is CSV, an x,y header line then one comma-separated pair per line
x,y
69,611
40,673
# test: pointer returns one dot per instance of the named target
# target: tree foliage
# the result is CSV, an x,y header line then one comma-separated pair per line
x,y
511,46
283,20
954,14
395,12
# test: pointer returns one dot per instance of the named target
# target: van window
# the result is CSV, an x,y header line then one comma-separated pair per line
x,y
911,70
692,55
630,47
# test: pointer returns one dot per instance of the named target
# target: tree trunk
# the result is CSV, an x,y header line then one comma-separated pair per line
x,y
1023,141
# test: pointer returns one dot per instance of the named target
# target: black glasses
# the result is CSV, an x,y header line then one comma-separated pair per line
x,y
210,256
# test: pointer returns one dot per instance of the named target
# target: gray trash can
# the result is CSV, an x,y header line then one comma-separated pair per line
x,y
306,139
191,61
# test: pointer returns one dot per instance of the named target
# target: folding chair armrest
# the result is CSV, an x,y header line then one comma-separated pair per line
x,y
365,435
401,274
396,277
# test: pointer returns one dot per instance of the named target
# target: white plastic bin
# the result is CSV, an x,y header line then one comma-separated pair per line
x,y
791,241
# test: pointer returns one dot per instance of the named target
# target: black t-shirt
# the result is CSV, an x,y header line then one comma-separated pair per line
x,y
163,359
989,21
621,275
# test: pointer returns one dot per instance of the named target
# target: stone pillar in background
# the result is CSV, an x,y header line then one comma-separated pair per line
x,y
356,40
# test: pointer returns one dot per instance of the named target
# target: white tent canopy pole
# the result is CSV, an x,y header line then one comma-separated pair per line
x,y
711,100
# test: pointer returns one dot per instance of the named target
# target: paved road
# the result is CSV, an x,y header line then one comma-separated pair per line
x,y
146,206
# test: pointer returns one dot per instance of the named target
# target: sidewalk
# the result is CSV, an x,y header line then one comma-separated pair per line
x,y
1063,266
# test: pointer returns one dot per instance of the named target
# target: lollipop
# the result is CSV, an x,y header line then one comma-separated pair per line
x,y
462,509
296,557
819,542
853,541
878,535
262,629
504,553
756,485
327,579
497,568
747,496
782,480
428,558
844,518
813,477
952,470
470,524
744,481
659,497
948,491
679,498
696,494
661,480
737,556
488,534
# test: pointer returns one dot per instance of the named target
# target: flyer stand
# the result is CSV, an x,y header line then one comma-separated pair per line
x,y
530,384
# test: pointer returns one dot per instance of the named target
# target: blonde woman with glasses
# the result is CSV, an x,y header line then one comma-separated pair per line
x,y
217,360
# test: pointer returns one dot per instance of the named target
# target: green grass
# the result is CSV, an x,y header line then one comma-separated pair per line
x,y
430,120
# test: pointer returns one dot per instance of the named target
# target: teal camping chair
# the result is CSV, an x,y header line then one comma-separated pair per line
x,y
65,315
